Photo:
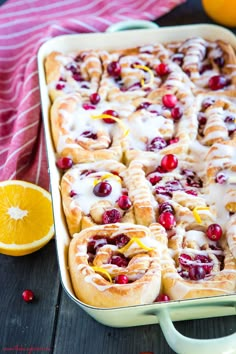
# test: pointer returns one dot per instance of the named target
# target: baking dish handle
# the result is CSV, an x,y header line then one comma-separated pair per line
x,y
131,25
184,345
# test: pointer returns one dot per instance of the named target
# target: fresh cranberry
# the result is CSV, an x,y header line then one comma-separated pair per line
x,y
178,58
89,135
162,298
162,69
119,261
64,163
124,202
28,295
221,178
169,162
114,69
197,273
214,232
77,77
111,216
102,189
205,261
154,179
167,220
157,143
94,98
185,260
88,106
110,112
120,240
143,105
176,113
217,82
72,193
163,207
60,86
219,61
169,100
121,279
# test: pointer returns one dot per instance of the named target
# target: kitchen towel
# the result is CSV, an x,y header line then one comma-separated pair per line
x,y
24,26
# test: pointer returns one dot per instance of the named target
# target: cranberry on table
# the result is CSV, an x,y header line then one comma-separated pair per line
x,y
169,162
214,232
169,100
167,220
28,295
102,189
114,69
64,163
124,202
121,279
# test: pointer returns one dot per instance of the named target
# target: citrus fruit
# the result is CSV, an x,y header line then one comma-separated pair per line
x,y
221,11
26,219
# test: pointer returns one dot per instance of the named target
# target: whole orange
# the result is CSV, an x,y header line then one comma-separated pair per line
x,y
221,11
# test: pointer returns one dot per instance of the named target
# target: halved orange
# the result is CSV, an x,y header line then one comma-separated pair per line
x,y
221,11
26,219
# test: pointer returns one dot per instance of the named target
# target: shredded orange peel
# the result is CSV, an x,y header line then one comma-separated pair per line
x,y
103,272
134,240
196,214
117,120
145,68
106,176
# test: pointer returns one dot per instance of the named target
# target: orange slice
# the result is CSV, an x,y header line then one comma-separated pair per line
x,y
26,217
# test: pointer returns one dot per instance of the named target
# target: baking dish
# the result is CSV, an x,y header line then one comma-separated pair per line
x,y
162,313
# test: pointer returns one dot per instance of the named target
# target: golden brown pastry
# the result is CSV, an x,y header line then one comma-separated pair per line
x,y
116,265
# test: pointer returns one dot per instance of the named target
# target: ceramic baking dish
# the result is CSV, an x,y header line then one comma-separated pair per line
x,y
162,313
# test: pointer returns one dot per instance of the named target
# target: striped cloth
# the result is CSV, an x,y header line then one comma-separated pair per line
x,y
24,26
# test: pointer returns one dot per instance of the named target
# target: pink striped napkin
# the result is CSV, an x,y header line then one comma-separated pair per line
x,y
24,26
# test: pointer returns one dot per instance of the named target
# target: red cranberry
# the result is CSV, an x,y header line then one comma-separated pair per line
x,y
102,189
162,69
176,113
196,273
114,69
157,143
214,232
143,105
185,260
169,162
220,178
72,193
121,279
119,261
64,163
60,86
124,202
169,100
206,262
111,216
110,112
217,82
28,295
154,179
162,298
94,98
88,106
163,207
120,240
167,220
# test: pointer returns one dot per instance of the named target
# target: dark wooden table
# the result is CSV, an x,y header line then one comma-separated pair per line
x,y
53,323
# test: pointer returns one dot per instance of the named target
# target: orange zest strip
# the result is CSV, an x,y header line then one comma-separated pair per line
x,y
103,272
117,120
196,214
134,240
145,68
